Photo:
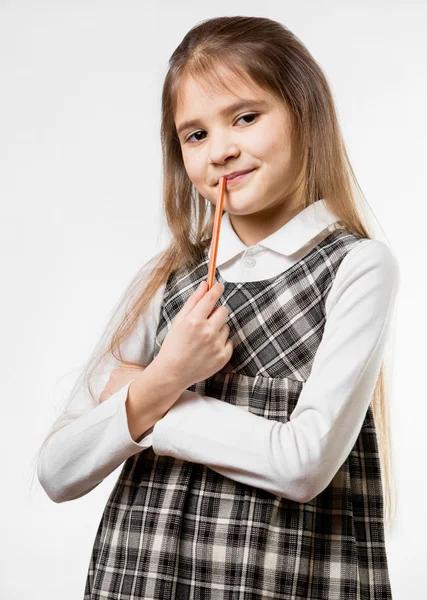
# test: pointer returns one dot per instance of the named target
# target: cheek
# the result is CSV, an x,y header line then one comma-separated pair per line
x,y
194,166
274,143
280,155
187,162
269,147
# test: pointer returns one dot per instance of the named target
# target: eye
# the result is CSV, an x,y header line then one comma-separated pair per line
x,y
249,115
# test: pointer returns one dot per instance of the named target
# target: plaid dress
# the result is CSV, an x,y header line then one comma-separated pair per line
x,y
176,530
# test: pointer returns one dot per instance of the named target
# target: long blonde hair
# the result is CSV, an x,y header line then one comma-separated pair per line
x,y
265,53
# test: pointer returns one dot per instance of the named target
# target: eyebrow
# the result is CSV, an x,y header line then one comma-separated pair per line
x,y
229,109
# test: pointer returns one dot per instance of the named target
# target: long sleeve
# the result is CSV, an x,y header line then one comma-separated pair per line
x,y
77,457
298,459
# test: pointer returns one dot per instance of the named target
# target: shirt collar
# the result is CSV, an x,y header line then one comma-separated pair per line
x,y
287,240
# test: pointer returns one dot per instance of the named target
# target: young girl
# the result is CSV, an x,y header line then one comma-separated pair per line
x,y
246,415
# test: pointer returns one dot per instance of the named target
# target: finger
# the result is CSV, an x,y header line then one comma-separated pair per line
x,y
194,298
224,333
219,316
206,304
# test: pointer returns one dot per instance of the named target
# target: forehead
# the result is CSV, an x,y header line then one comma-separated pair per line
x,y
197,94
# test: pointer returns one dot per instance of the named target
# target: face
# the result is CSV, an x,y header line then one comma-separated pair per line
x,y
222,139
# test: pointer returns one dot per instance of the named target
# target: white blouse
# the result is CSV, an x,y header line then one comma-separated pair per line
x,y
294,460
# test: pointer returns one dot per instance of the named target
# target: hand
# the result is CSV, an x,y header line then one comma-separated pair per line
x,y
118,378
197,345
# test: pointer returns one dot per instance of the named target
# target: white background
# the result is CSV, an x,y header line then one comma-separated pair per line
x,y
80,189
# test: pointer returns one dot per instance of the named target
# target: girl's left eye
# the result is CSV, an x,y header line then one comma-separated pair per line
x,y
201,131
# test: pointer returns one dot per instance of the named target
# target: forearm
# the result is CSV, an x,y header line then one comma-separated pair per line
x,y
149,398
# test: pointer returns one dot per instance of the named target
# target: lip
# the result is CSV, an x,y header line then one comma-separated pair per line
x,y
236,176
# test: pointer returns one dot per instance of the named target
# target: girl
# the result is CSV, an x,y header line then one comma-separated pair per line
x,y
246,416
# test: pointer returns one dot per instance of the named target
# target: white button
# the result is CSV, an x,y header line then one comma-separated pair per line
x,y
250,262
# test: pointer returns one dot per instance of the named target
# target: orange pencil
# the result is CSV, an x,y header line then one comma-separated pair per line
x,y
215,232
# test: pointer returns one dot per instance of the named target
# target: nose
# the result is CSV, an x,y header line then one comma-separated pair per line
x,y
221,150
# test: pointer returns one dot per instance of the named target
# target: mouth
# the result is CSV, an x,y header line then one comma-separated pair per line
x,y
236,178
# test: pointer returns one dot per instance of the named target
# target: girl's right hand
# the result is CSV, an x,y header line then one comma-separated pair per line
x,y
197,345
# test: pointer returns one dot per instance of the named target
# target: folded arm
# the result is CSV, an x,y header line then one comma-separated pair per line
x,y
298,459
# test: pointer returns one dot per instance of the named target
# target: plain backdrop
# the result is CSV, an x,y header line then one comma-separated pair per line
x,y
80,189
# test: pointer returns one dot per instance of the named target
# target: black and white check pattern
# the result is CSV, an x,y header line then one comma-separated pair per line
x,y
175,530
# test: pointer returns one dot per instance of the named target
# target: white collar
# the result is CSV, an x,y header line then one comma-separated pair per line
x,y
287,240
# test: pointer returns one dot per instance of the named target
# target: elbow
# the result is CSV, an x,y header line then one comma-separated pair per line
x,y
47,479
56,495
47,474
315,485
304,495
303,487
298,489
64,492
60,494
307,497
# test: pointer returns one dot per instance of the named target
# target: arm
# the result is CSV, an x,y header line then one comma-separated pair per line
x,y
298,459
81,454
77,457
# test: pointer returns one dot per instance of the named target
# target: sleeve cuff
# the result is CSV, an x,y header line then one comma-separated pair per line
x,y
145,440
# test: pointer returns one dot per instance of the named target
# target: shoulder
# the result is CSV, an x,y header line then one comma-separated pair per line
x,y
372,254
369,267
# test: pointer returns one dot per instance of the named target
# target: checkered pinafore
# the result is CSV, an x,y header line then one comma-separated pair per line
x,y
175,530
